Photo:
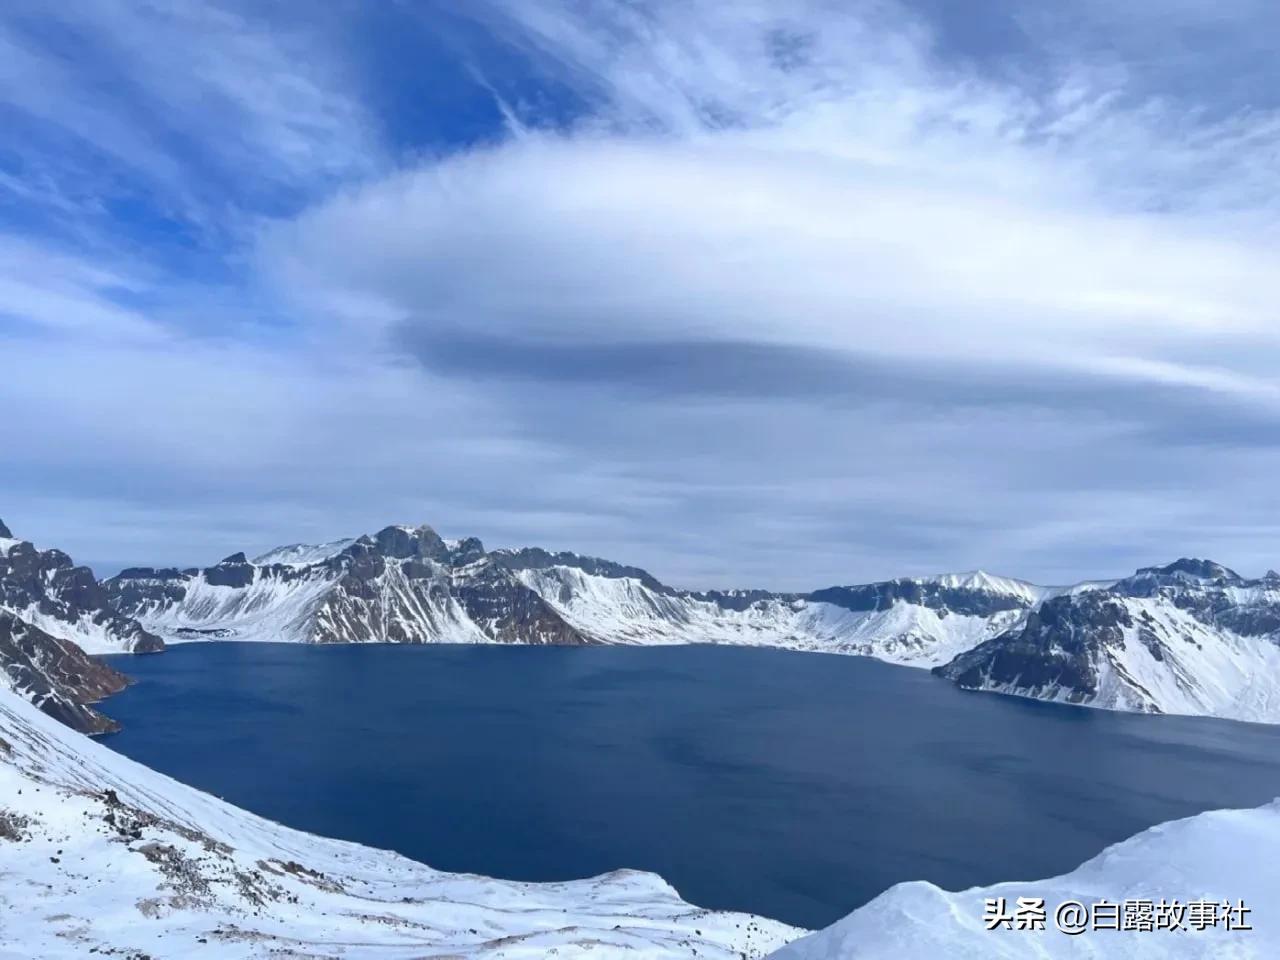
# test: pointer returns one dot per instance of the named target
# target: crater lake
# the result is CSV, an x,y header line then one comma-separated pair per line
x,y
793,785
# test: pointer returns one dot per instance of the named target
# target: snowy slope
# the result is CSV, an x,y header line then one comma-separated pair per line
x,y
1191,637
401,585
1163,641
47,590
302,554
626,610
269,605
1223,855
101,856
51,613
55,675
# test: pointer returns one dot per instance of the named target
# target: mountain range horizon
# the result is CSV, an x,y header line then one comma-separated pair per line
x,y
994,570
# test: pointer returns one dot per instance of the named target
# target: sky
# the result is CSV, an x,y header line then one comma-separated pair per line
x,y
778,293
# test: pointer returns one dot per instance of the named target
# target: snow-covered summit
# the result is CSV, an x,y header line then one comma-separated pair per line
x,y
403,584
302,554
982,581
1194,636
1191,638
47,589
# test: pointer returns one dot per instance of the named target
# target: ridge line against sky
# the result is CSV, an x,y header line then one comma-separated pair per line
x,y
782,294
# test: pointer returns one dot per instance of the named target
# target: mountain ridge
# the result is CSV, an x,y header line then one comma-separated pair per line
x,y
1191,636
53,615
1203,633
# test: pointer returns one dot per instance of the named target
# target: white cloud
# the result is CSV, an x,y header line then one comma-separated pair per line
x,y
197,106
797,302
855,199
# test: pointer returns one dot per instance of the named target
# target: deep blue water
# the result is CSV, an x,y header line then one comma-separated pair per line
x,y
793,785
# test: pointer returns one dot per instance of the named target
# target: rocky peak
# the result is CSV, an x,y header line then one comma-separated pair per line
x,y
232,571
56,675
401,543
964,595
1191,568
466,551
4,531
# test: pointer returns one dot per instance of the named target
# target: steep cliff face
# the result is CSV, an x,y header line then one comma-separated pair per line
x,y
408,585
401,585
46,589
56,675
1192,638
921,622
51,612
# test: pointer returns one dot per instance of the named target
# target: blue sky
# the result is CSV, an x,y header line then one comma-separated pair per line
x,y
768,293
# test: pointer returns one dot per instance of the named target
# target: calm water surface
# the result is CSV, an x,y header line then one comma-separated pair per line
x,y
797,786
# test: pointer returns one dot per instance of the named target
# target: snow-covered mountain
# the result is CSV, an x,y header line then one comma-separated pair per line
x,y
47,590
51,612
922,622
1191,638
55,675
401,585
101,856
406,584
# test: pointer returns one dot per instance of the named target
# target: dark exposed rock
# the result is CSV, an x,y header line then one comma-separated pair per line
x,y
400,585
46,601
46,585
56,675
1061,648
399,543
925,593
518,614
1053,650
4,531
1188,567
234,571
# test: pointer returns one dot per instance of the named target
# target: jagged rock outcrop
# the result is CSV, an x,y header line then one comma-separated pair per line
x,y
46,588
400,585
408,585
56,675
1192,637
53,614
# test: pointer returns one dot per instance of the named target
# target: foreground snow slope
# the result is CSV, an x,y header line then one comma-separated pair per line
x,y
1224,855
100,855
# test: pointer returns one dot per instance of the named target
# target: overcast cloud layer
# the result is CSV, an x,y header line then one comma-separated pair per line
x,y
772,293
